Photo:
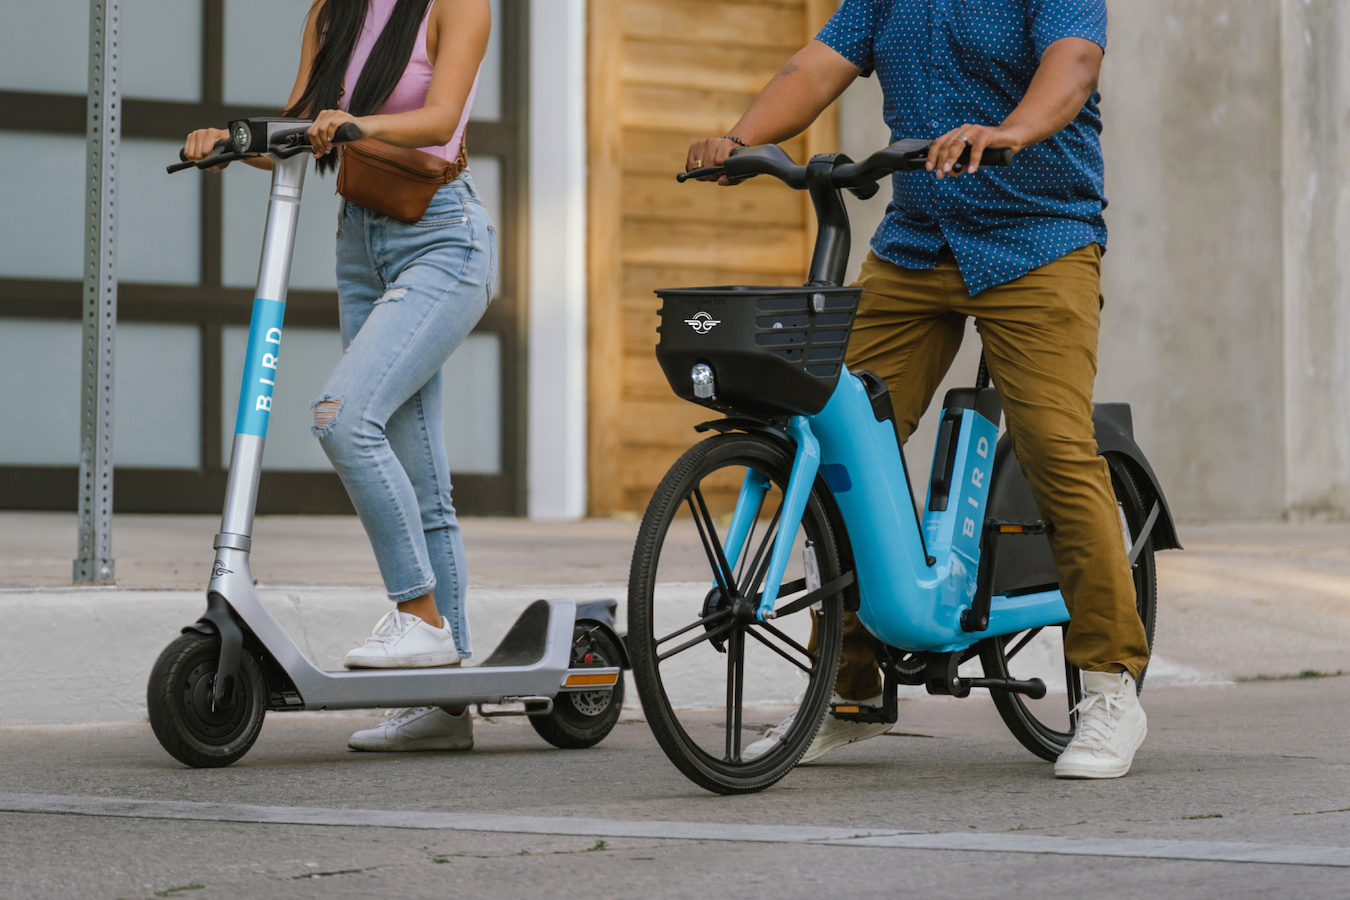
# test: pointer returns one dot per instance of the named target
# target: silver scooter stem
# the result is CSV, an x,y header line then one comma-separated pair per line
x,y
255,395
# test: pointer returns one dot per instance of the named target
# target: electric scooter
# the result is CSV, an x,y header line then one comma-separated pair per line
x,y
970,575
561,663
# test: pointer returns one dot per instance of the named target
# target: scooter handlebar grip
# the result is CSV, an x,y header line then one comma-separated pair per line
x,y
347,132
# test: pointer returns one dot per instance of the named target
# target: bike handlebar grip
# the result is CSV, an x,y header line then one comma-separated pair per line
x,y
1001,156
347,132
178,167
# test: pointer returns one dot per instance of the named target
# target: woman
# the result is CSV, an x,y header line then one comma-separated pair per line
x,y
404,71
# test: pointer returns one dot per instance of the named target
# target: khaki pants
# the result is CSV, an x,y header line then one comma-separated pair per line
x,y
1040,342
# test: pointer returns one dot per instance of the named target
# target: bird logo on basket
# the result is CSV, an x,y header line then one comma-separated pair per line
x,y
702,322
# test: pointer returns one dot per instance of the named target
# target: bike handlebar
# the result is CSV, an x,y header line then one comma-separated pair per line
x,y
860,177
244,142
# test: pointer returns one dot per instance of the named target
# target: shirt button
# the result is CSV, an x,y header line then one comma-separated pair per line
x,y
934,123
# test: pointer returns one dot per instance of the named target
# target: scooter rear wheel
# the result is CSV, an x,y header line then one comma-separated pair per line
x,y
1046,726
582,719
685,632
195,731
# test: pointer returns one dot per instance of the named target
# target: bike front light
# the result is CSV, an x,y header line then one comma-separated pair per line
x,y
705,386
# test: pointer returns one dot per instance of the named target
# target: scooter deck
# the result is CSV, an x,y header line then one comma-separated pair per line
x,y
532,660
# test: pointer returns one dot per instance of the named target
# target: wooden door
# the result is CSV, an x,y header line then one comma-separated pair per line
x,y
664,73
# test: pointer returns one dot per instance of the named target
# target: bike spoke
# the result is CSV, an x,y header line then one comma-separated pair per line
x,y
707,635
1017,648
814,657
735,693
711,545
776,649
707,620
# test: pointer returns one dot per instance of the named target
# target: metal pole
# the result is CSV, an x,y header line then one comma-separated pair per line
x,y
94,565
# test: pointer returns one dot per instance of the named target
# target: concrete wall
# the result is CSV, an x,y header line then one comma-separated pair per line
x,y
1227,145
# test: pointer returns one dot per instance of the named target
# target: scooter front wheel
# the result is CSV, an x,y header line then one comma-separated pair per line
x,y
710,675
196,729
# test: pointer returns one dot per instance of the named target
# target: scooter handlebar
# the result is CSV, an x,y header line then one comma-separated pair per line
x,y
285,145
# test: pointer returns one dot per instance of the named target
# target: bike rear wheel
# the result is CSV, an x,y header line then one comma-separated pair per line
x,y
701,670
1046,726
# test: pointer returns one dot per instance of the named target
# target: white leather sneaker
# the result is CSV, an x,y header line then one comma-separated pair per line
x,y
833,733
418,728
1111,726
401,640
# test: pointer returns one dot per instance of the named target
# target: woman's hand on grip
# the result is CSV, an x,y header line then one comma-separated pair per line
x,y
202,143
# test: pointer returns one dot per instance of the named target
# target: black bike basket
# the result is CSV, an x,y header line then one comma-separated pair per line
x,y
772,351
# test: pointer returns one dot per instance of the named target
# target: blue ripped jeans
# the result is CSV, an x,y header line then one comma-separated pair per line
x,y
408,296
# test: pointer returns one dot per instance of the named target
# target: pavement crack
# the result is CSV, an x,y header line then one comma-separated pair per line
x,y
1323,812
305,875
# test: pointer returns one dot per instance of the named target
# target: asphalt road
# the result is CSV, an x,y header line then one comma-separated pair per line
x,y
1252,763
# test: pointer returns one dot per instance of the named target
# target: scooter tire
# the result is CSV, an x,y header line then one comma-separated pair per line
x,y
178,697
584,719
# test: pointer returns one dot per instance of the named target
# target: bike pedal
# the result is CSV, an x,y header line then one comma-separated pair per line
x,y
856,712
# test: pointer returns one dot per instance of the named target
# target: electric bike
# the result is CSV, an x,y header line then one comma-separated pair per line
x,y
970,576
561,663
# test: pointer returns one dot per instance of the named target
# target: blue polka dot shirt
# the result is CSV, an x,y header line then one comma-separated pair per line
x,y
946,63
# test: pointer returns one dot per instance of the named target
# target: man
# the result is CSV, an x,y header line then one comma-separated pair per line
x,y
1019,249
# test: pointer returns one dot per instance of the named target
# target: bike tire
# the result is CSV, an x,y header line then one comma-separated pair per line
x,y
1034,732
729,774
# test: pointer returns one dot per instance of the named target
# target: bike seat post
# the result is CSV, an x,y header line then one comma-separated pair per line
x,y
829,261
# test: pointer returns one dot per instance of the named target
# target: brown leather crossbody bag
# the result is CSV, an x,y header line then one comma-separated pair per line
x,y
396,181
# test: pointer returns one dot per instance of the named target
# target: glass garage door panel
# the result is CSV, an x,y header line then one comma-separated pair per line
x,y
262,50
44,46
156,394
472,400
157,403
40,405
42,172
159,216
487,102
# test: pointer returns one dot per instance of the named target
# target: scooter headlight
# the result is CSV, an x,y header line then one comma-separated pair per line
x,y
242,136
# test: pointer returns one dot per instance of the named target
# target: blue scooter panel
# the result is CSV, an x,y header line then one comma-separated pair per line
x,y
260,368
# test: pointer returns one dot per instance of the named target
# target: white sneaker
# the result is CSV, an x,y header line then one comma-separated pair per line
x,y
418,728
1111,726
404,641
833,733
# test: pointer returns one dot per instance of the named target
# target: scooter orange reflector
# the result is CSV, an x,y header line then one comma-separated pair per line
x,y
590,680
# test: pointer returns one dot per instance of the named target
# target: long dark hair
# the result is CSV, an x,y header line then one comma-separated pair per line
x,y
339,26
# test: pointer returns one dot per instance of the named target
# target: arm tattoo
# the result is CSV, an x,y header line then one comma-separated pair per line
x,y
789,69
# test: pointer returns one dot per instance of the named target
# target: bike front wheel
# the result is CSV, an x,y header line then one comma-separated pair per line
x,y
709,678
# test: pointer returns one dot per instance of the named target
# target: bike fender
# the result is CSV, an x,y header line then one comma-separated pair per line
x,y
1115,435
1032,567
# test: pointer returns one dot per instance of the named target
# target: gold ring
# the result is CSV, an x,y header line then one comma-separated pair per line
x,y
698,164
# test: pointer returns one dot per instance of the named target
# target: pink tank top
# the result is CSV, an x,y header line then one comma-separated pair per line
x,y
411,91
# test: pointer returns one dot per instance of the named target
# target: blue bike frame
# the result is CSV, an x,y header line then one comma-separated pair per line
x,y
906,602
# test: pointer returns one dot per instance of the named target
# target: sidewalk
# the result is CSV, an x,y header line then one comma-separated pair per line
x,y
1243,601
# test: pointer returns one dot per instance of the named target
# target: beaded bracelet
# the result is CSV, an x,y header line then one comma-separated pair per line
x,y
733,139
